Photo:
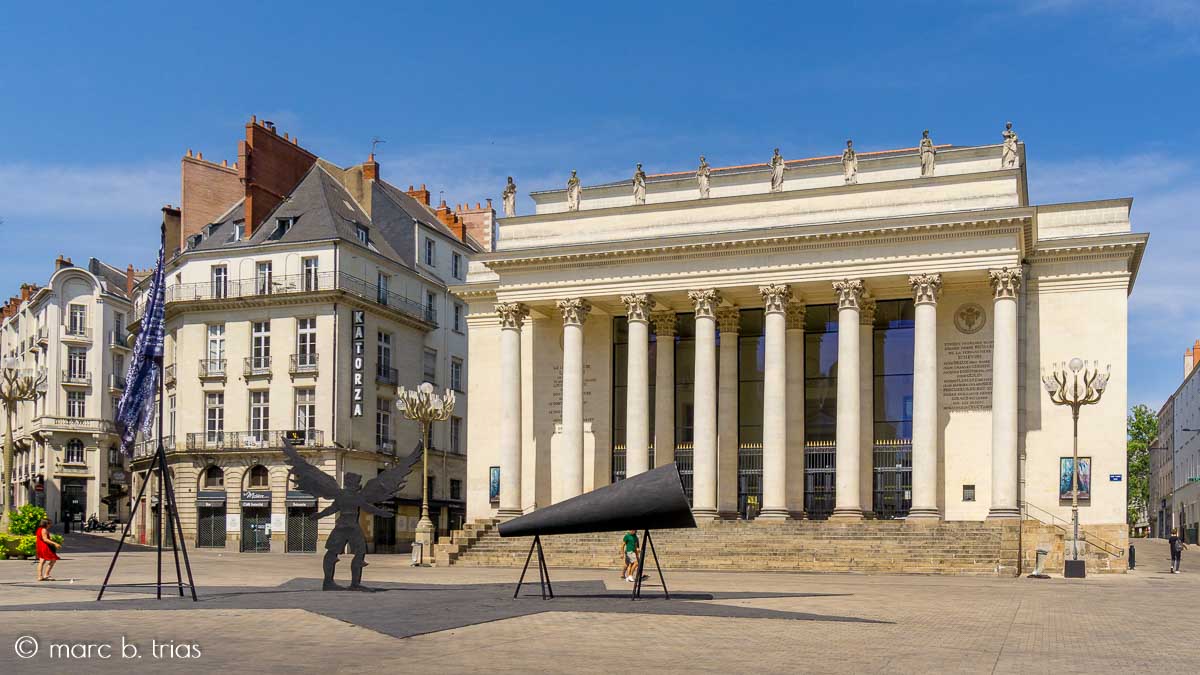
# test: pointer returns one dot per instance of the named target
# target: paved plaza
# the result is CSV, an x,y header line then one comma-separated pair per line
x,y
263,613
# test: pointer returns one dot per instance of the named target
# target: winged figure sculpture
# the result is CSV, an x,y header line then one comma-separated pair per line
x,y
347,501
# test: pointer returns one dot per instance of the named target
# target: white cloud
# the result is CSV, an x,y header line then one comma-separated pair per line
x,y
74,193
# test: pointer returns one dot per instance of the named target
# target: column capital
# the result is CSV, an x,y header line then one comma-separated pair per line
x,y
729,319
775,296
512,314
795,312
849,292
866,310
705,302
1005,282
574,310
637,306
664,323
926,288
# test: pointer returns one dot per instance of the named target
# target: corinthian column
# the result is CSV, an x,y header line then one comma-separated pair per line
x,y
704,467
512,316
664,387
1005,475
775,409
729,321
848,502
637,400
568,466
795,408
926,288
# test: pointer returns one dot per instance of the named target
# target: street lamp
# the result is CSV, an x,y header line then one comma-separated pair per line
x,y
1081,386
16,386
425,407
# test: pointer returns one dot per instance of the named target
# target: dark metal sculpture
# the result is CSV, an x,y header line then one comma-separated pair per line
x,y
347,502
653,500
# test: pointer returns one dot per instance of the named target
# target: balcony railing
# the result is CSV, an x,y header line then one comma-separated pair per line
x,y
388,446
73,424
116,382
247,440
303,363
254,366
212,368
77,333
169,375
297,283
42,336
72,377
385,375
116,338
147,447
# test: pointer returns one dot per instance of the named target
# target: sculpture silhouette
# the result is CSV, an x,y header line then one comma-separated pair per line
x,y
347,502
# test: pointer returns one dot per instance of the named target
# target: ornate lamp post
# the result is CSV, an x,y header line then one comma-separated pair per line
x,y
1081,386
16,386
425,407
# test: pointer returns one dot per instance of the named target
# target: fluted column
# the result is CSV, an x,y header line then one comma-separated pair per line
x,y
512,317
866,403
926,288
568,466
637,400
1005,471
795,408
664,387
848,502
728,325
704,468
775,409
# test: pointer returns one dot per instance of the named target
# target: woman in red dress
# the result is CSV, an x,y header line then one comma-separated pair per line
x,y
46,551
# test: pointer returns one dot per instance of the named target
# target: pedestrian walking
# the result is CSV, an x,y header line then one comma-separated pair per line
x,y
47,551
1177,546
629,550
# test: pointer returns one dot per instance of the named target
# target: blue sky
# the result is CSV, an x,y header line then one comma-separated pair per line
x,y
99,101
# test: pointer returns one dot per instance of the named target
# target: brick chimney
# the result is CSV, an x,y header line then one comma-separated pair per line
x,y
479,223
449,219
270,166
176,231
1191,358
61,262
130,282
27,290
370,168
421,195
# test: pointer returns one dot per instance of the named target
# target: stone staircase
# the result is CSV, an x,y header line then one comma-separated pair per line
x,y
987,548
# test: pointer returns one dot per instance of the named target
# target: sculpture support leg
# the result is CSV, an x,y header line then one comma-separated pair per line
x,y
330,564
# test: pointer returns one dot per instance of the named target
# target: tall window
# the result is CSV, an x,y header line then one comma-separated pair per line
x,y
74,452
820,409
171,416
455,489
76,404
219,276
260,345
892,372
118,325
456,374
383,355
364,237
430,366
430,252
311,280
119,367
259,477
77,320
216,348
262,277
306,412
260,415
456,265
382,284
383,424
214,416
456,434
214,477
458,317
306,342
77,363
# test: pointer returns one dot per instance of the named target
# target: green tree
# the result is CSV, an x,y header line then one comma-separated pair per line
x,y
1141,432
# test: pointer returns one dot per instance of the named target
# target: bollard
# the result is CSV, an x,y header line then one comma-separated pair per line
x,y
1132,556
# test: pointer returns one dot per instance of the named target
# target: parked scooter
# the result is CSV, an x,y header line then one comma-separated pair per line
x,y
93,524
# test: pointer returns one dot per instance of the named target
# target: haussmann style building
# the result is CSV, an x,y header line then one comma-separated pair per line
x,y
857,338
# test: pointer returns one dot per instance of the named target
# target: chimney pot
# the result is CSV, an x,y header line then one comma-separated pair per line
x,y
189,152
285,135
254,119
199,155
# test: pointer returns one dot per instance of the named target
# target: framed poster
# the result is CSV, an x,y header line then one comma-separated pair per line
x,y
494,485
1065,466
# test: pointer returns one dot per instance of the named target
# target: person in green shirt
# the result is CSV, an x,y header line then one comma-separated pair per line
x,y
629,549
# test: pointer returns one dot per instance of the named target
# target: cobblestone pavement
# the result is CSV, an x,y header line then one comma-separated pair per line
x,y
774,623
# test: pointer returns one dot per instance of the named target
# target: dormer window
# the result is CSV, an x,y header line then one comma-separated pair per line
x,y
364,237
282,225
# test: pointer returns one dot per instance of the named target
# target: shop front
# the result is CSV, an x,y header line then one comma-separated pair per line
x,y
256,521
301,522
210,519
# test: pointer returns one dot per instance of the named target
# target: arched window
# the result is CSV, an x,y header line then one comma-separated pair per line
x,y
258,477
214,478
74,452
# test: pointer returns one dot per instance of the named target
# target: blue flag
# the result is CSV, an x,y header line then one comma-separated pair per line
x,y
136,409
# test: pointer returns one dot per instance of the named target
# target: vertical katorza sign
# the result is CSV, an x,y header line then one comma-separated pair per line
x,y
359,328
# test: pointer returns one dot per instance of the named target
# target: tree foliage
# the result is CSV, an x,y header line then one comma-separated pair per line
x,y
1141,433
25,520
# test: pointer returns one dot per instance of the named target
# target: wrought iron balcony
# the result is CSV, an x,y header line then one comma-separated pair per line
x,y
117,338
169,375
147,447
256,366
303,363
212,368
247,440
72,377
116,382
387,446
42,336
385,375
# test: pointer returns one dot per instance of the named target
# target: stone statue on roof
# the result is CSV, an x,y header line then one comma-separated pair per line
x,y
927,154
702,177
639,185
1008,156
510,198
850,164
574,192
777,169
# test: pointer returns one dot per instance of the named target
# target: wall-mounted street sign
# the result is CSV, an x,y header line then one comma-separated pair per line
x,y
358,328
294,437
1114,477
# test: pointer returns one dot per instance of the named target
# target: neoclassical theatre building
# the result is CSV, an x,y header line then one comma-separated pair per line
x,y
845,337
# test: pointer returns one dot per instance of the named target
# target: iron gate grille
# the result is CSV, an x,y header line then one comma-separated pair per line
x,y
618,461
302,530
255,523
750,476
820,479
210,527
683,458
893,478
